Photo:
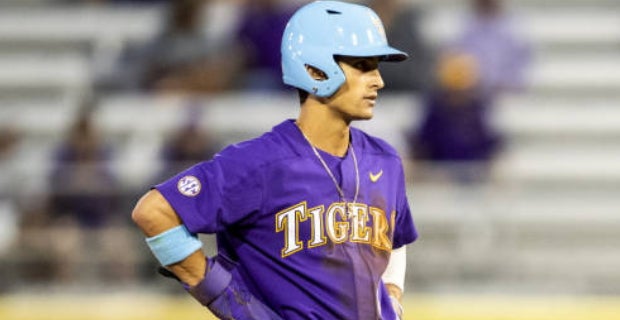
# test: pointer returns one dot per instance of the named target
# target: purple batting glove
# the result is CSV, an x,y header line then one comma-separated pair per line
x,y
225,294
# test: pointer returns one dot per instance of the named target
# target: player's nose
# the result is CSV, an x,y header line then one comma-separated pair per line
x,y
376,80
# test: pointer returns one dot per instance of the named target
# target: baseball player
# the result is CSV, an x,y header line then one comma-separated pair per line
x,y
311,218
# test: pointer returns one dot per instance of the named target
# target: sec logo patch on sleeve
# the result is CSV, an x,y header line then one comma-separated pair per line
x,y
189,186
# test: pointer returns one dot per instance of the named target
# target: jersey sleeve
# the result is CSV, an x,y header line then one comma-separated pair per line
x,y
404,231
211,196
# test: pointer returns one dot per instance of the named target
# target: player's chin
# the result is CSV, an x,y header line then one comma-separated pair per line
x,y
365,116
367,113
362,112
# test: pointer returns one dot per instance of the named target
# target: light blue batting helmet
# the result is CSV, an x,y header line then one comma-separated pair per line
x,y
320,30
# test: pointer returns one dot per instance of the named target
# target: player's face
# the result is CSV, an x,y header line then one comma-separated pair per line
x,y
356,98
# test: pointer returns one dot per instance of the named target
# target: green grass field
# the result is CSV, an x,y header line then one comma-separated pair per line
x,y
417,307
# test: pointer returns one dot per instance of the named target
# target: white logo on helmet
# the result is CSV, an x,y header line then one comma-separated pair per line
x,y
377,23
189,186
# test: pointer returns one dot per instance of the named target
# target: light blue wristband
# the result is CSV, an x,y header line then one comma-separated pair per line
x,y
174,245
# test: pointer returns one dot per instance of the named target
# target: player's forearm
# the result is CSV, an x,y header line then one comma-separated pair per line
x,y
394,278
394,274
154,215
191,270
394,291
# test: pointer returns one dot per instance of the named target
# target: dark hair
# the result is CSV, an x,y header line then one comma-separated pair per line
x,y
303,95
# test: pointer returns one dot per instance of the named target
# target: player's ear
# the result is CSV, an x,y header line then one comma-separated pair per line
x,y
316,73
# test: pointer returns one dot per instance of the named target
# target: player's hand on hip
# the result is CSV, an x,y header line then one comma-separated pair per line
x,y
225,294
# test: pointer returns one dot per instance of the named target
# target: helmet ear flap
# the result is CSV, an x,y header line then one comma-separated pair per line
x,y
330,78
327,78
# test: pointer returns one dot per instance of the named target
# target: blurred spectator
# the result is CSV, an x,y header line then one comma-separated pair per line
x,y
259,34
455,131
139,2
402,20
187,146
23,255
486,60
8,142
491,36
8,179
183,57
81,182
86,229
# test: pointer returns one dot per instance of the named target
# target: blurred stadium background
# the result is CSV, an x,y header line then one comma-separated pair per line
x,y
538,239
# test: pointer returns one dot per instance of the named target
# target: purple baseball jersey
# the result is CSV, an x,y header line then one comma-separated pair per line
x,y
301,249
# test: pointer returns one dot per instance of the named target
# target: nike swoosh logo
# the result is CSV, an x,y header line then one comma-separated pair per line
x,y
375,177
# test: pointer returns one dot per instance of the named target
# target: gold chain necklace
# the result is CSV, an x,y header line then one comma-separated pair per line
x,y
331,175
